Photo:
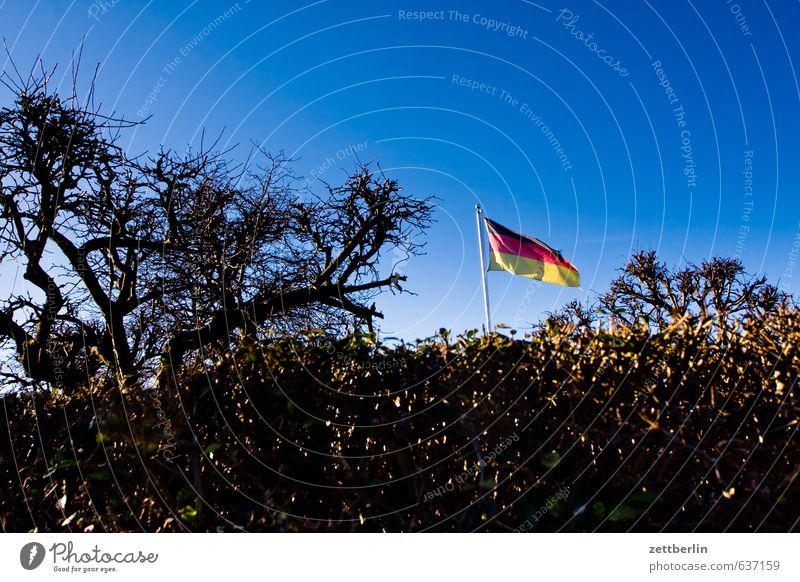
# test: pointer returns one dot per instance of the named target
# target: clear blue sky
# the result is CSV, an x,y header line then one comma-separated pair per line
x,y
471,107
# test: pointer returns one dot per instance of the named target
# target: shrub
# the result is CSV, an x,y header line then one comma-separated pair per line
x,y
576,427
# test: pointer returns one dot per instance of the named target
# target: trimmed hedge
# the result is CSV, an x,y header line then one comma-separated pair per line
x,y
569,429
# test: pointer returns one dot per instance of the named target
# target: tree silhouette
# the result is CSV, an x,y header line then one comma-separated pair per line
x,y
139,262
717,292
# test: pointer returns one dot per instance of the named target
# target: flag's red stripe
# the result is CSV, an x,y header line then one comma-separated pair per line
x,y
511,245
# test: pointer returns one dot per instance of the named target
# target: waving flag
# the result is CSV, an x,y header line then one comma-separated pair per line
x,y
528,257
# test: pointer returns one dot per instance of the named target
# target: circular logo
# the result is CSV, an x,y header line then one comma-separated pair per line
x,y
31,555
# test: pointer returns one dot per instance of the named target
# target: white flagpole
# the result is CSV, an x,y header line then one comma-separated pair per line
x,y
478,213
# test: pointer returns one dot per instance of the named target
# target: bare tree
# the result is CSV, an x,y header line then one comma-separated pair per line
x,y
136,262
717,291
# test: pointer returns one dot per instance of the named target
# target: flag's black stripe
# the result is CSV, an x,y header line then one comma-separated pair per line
x,y
502,230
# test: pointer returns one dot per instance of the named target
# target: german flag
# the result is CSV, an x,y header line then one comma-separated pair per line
x,y
528,257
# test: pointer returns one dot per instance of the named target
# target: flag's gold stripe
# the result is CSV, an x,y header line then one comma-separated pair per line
x,y
533,269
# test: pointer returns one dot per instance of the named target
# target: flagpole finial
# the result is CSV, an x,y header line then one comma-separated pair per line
x,y
479,209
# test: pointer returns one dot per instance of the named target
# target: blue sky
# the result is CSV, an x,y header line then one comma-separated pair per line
x,y
600,127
